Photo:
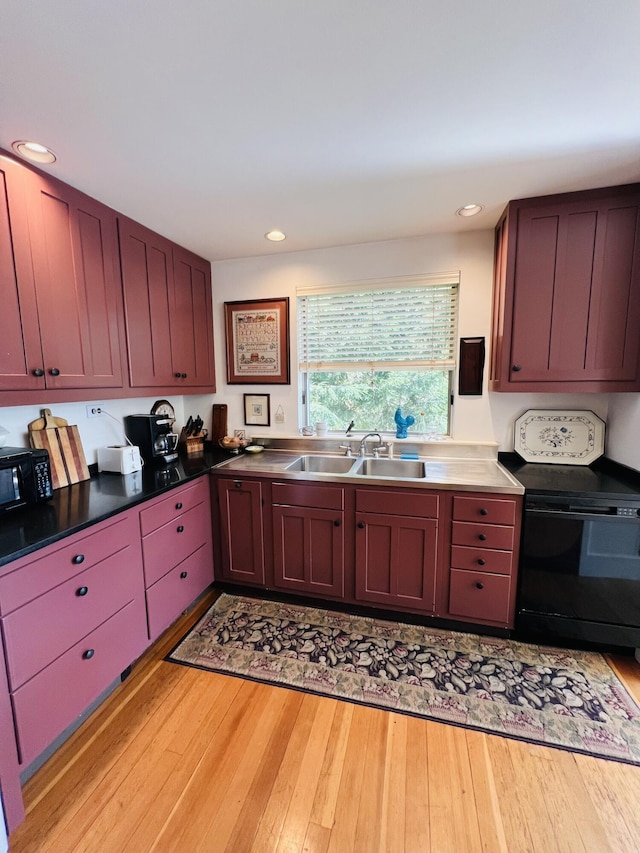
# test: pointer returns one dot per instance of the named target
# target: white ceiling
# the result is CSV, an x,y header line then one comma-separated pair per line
x,y
343,121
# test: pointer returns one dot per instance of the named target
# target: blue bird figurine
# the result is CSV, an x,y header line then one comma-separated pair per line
x,y
402,423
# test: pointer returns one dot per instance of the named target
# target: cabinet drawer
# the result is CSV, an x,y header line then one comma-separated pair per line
x,y
416,504
169,545
174,592
487,510
482,535
48,703
42,630
477,595
55,564
321,497
481,559
169,508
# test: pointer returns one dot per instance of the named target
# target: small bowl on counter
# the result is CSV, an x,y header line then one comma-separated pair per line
x,y
233,444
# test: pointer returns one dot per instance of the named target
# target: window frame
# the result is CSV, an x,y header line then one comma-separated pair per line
x,y
426,280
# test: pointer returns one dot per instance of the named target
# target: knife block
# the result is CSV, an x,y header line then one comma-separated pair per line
x,y
192,443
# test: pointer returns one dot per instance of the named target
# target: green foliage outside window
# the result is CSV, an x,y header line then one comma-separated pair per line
x,y
371,399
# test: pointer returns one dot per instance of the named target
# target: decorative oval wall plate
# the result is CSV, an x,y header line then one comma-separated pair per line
x,y
558,436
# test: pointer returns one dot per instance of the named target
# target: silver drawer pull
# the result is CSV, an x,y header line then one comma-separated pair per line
x,y
88,654
82,591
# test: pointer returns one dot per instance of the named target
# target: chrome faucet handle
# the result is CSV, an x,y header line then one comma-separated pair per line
x,y
363,443
380,449
347,449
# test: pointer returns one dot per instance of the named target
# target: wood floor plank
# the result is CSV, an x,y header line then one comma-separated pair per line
x,y
393,815
614,793
317,839
210,767
269,828
417,808
535,806
517,822
327,792
487,801
453,819
221,695
561,814
369,824
343,831
295,827
281,708
285,742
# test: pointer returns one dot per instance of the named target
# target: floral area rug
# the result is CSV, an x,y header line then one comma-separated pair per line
x,y
556,697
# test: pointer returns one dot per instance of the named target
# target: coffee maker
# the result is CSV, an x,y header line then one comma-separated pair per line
x,y
154,435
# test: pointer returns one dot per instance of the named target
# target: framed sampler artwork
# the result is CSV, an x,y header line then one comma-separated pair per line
x,y
257,334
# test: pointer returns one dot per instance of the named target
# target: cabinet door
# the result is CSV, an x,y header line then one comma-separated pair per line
x,y
553,284
396,559
308,546
20,351
147,278
241,530
567,293
614,330
192,320
74,250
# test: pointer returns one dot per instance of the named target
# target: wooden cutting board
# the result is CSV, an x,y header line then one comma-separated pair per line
x,y
219,425
66,454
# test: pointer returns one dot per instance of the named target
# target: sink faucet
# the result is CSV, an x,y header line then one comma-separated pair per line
x,y
363,448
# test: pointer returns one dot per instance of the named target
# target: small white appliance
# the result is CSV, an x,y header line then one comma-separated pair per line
x,y
119,460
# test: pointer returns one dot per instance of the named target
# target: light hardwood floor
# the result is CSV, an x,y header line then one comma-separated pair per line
x,y
183,760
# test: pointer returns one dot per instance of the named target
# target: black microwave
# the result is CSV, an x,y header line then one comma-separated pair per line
x,y
25,477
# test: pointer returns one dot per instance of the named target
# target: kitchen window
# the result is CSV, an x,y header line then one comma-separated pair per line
x,y
367,348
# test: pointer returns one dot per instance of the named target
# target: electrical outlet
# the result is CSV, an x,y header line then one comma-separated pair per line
x,y
240,433
94,411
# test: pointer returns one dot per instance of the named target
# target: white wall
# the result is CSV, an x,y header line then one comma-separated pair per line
x,y
623,431
486,418
94,432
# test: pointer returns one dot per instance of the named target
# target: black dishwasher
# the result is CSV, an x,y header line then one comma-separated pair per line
x,y
579,572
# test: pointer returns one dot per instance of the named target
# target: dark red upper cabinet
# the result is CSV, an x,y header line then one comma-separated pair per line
x,y
79,308
147,279
192,320
567,293
168,311
21,360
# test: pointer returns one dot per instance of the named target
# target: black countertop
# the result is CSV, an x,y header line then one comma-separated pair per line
x,y
602,479
83,504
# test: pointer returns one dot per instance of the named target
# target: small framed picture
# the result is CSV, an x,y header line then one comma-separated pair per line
x,y
257,410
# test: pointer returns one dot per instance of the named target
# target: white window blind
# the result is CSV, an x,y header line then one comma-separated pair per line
x,y
395,324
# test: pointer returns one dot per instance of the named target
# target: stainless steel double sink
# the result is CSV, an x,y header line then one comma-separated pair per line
x,y
412,469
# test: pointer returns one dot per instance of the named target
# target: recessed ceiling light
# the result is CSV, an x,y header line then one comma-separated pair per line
x,y
33,151
276,236
469,210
